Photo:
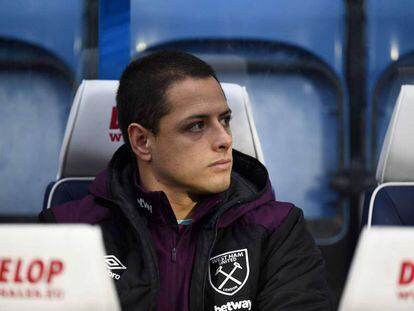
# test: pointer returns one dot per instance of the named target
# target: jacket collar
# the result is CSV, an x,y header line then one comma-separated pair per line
x,y
250,187
156,207
120,180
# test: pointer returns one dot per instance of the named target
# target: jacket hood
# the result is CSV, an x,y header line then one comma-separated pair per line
x,y
249,180
249,188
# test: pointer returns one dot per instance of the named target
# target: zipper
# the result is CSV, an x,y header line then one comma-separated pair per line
x,y
174,255
174,267
175,244
176,239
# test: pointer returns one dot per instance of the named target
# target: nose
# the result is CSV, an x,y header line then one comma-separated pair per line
x,y
222,138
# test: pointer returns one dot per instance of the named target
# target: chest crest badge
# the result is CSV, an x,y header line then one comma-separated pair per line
x,y
228,272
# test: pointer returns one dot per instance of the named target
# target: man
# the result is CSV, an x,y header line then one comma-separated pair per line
x,y
193,221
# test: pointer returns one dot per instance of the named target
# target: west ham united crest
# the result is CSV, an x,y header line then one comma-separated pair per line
x,y
228,272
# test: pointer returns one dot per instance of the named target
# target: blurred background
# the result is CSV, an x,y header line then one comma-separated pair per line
x,y
322,77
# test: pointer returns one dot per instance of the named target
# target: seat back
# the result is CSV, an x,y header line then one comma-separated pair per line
x,y
391,201
35,99
92,136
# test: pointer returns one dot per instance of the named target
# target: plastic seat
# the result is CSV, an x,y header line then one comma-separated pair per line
x,y
35,99
391,201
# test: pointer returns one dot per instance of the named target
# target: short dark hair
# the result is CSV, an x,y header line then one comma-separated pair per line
x,y
144,82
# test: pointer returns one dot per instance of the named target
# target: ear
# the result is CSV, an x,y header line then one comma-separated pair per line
x,y
139,140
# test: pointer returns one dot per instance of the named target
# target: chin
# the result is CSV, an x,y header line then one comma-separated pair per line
x,y
216,187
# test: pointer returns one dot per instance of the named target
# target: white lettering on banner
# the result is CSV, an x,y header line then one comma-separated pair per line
x,y
235,305
145,205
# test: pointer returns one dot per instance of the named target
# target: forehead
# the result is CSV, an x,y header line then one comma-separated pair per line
x,y
196,96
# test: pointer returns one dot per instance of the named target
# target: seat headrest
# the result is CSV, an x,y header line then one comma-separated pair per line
x,y
396,161
92,134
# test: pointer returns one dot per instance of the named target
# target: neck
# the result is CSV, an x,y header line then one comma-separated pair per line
x,y
182,203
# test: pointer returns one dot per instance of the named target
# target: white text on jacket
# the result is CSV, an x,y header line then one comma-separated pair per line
x,y
145,205
235,305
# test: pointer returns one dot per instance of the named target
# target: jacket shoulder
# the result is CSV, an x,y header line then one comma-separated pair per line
x,y
86,210
294,269
272,215
269,215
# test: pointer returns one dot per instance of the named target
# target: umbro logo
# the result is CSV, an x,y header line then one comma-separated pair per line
x,y
145,205
228,272
113,263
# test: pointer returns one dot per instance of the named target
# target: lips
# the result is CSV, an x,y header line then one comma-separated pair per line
x,y
223,164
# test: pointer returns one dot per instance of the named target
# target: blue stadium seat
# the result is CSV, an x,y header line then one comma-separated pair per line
x,y
386,92
35,93
390,61
92,136
391,202
392,205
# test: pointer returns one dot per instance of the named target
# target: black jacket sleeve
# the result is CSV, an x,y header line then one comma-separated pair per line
x,y
293,272
46,216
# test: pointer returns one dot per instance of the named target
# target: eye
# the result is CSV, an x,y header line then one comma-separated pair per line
x,y
196,127
226,121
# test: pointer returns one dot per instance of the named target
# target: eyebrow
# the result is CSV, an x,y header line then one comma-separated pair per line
x,y
204,116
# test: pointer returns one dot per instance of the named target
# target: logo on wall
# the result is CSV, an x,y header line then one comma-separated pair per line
x,y
228,272
114,133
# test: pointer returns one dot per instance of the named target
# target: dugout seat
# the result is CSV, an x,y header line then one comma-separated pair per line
x,y
391,202
92,136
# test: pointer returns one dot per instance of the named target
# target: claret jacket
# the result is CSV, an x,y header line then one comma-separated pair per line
x,y
242,251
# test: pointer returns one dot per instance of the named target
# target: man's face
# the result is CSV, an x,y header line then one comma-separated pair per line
x,y
192,150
